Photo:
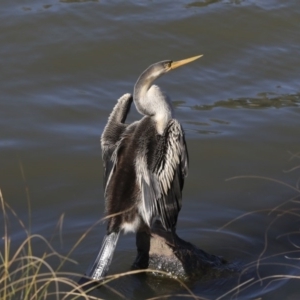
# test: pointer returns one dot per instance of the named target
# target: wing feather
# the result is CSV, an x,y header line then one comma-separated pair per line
x,y
160,175
112,133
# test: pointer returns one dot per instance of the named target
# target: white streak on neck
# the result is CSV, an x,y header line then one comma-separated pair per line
x,y
162,110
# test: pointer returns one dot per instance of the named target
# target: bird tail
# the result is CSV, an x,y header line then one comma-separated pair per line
x,y
102,262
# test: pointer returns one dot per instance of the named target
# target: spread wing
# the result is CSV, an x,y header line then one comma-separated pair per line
x,y
161,174
112,132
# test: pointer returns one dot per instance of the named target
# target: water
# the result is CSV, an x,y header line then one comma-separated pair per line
x,y
65,63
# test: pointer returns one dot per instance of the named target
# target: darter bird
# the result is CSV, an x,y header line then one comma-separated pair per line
x,y
145,164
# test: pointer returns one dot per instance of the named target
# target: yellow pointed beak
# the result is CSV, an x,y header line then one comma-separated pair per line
x,y
179,63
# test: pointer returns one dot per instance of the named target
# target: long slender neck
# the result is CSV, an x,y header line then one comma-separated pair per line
x,y
140,92
150,100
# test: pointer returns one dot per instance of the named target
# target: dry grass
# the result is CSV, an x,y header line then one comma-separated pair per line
x,y
274,261
24,275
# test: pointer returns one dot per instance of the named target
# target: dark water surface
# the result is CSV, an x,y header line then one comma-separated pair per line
x,y
65,63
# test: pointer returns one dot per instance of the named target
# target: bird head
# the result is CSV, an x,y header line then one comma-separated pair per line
x,y
158,69
145,103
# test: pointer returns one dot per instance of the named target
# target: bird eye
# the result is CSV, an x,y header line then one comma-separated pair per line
x,y
168,65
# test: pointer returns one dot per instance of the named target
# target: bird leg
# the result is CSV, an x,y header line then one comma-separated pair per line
x,y
143,247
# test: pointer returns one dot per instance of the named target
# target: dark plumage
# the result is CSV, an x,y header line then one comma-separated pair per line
x,y
145,164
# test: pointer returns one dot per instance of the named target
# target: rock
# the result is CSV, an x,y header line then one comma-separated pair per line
x,y
165,251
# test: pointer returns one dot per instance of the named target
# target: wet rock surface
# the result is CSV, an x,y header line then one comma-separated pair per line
x,y
166,251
